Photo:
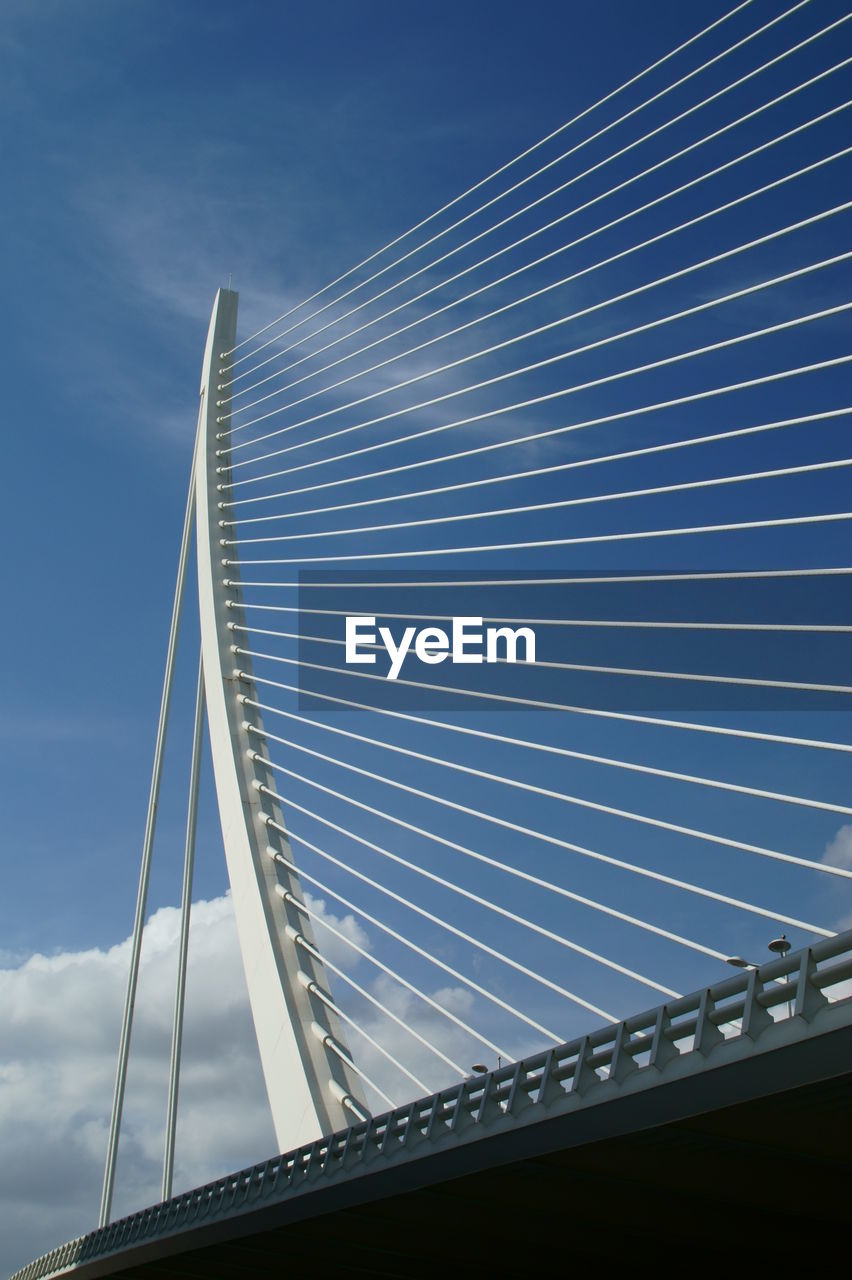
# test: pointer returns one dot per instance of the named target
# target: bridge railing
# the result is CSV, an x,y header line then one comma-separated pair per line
x,y
788,999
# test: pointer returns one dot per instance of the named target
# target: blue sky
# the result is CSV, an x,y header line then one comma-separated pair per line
x,y
153,152
149,153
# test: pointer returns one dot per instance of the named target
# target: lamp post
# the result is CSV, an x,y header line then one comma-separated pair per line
x,y
480,1069
780,947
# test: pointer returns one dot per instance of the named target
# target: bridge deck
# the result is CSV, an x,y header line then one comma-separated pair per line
x,y
706,1123
766,1177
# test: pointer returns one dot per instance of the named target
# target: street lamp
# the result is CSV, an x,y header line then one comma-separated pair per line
x,y
780,947
480,1069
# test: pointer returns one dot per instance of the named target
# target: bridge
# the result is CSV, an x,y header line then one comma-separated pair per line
x,y
764,1096
522,582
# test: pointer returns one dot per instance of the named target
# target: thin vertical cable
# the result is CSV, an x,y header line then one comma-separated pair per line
x,y
147,849
183,947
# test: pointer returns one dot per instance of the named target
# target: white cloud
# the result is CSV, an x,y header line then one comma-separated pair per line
x,y
60,1021
332,947
417,1057
61,1016
838,851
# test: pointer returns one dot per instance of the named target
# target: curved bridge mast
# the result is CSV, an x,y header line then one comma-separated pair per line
x,y
302,1050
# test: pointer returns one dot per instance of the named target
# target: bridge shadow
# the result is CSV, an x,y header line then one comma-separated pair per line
x,y
740,1163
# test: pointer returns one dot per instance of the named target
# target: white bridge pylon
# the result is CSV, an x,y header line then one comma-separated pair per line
x,y
311,1088
306,1061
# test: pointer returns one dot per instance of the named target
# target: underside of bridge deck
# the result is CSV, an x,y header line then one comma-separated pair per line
x,y
765,1177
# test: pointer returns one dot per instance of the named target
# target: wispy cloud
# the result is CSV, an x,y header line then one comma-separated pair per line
x,y
838,851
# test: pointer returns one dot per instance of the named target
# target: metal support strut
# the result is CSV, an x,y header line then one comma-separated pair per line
x,y
147,850
183,948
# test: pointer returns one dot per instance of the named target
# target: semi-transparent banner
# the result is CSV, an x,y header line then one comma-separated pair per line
x,y
644,641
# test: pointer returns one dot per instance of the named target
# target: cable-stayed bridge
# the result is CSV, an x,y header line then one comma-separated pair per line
x,y
590,415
